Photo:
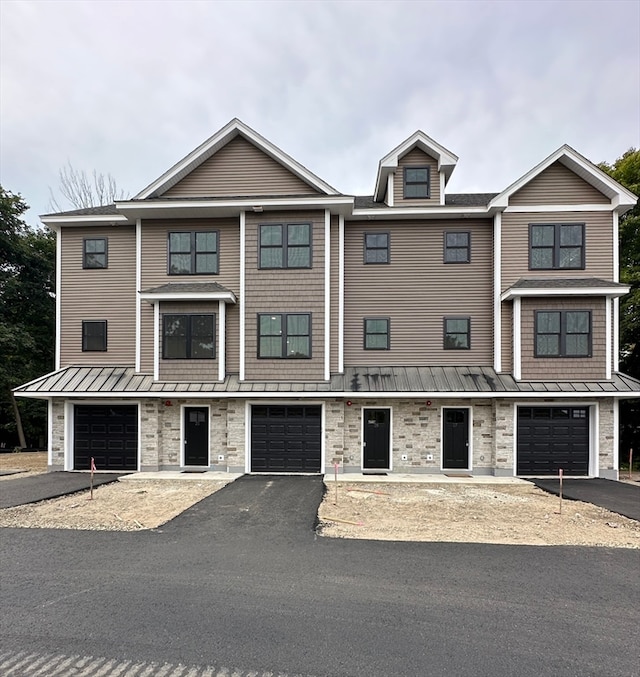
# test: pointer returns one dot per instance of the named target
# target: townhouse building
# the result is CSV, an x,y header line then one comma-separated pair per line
x,y
240,314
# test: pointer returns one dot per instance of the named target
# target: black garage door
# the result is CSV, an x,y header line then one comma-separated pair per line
x,y
286,438
109,434
553,438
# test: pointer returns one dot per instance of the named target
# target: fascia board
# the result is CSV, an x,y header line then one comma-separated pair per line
x,y
321,202
220,139
189,296
95,220
409,212
583,291
321,394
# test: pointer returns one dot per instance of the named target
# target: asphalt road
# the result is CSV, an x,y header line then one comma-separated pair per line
x,y
242,583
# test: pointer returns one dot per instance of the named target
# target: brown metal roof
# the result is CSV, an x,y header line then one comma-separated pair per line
x,y
356,381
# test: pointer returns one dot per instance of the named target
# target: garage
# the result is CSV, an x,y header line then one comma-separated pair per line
x,y
553,438
109,434
286,438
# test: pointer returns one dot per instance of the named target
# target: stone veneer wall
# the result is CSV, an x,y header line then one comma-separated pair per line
x,y
56,453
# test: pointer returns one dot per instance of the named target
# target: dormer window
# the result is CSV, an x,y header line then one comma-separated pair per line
x,y
417,183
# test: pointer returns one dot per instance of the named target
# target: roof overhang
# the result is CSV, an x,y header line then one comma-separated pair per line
x,y
220,139
199,208
389,163
621,198
522,292
55,222
382,213
157,297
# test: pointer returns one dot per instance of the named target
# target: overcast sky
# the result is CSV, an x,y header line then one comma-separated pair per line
x,y
129,88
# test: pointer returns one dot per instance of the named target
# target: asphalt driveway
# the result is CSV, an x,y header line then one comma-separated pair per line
x,y
22,490
615,496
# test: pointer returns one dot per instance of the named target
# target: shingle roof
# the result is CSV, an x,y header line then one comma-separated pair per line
x,y
103,210
452,200
187,288
413,381
564,283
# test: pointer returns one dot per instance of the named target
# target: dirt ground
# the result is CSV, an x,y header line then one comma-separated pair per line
x,y
507,514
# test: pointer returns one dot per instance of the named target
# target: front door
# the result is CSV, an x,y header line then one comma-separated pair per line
x,y
377,429
455,439
196,436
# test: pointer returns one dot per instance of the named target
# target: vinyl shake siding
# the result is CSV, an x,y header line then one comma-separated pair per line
x,y
98,294
238,169
416,290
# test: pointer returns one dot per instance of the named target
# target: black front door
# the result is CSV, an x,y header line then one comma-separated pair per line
x,y
455,443
377,427
196,436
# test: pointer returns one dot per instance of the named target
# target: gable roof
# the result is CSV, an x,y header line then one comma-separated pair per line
x,y
220,139
619,195
446,159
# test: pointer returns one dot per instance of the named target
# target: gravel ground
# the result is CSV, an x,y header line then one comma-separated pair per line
x,y
507,514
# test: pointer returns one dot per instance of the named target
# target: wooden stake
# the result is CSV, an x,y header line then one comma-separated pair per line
x,y
630,461
560,474
93,468
369,491
335,473
335,519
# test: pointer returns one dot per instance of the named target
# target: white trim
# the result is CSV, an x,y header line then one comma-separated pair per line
x,y
86,220
327,294
608,337
518,292
616,434
58,294
341,295
469,409
616,334
242,294
227,296
138,289
406,212
616,246
183,439
616,302
443,181
594,440
517,339
362,410
540,209
390,197
214,143
50,431
222,340
292,403
156,341
497,282
68,435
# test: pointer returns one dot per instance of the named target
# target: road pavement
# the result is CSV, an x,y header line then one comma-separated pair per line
x,y
242,583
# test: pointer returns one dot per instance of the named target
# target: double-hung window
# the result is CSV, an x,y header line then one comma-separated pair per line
x,y
376,247
417,182
285,245
188,337
94,335
457,333
457,247
94,252
563,333
376,333
193,253
284,335
556,246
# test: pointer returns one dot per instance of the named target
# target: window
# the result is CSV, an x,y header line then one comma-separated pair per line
x,y
376,333
563,333
457,247
193,253
94,335
94,252
376,247
457,333
416,182
556,246
188,337
285,245
282,335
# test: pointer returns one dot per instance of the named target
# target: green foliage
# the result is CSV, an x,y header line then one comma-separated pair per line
x,y
626,170
27,312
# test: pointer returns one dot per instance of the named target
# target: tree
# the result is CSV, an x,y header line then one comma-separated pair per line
x,y
27,324
82,190
626,170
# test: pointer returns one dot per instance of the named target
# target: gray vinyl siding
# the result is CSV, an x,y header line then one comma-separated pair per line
x,y
335,291
238,169
189,370
515,245
559,368
416,157
98,294
416,290
284,291
506,316
557,185
154,273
